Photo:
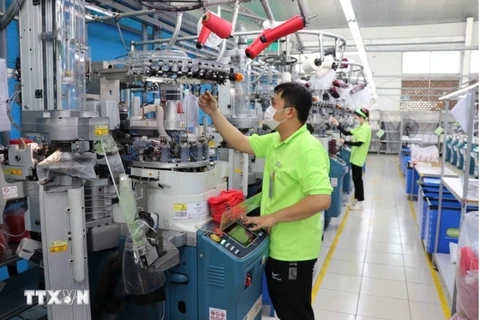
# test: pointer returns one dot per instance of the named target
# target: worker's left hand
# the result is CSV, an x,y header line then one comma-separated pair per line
x,y
342,141
263,222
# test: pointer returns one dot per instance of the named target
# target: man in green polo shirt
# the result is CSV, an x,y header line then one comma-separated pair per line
x,y
296,189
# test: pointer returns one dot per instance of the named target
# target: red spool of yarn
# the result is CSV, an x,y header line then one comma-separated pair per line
x,y
203,37
256,47
217,25
332,147
286,28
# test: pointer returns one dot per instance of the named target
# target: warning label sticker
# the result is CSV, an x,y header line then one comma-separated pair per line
x,y
217,314
10,192
58,246
191,210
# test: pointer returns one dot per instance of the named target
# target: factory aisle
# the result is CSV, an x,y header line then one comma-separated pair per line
x,y
377,268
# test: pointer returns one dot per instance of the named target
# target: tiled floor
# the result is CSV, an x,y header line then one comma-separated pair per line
x,y
378,269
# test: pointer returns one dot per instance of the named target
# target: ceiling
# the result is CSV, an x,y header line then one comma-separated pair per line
x,y
369,13
375,13
328,13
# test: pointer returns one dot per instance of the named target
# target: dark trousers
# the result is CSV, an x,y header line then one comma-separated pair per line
x,y
290,288
358,182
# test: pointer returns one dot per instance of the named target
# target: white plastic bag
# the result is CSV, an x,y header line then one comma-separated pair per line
x,y
428,154
67,163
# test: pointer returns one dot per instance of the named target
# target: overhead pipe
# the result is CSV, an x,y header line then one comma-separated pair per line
x,y
340,40
224,43
267,9
236,10
178,26
245,14
303,11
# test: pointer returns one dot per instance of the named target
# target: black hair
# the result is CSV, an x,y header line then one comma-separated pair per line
x,y
296,96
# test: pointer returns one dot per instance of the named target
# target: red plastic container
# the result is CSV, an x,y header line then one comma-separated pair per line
x,y
16,224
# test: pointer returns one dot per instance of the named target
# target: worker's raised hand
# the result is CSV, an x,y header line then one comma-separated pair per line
x,y
208,103
334,122
264,222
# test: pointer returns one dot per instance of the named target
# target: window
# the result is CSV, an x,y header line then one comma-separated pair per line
x,y
431,62
422,95
445,62
474,63
416,62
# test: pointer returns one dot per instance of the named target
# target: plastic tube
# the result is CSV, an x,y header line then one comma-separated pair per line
x,y
160,122
217,25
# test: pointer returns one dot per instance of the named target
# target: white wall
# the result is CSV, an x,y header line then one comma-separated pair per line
x,y
387,66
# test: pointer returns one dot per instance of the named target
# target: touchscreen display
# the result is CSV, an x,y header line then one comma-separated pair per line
x,y
240,234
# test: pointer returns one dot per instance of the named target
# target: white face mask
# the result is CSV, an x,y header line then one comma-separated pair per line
x,y
268,117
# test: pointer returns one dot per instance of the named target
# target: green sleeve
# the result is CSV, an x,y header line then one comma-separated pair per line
x,y
261,144
312,171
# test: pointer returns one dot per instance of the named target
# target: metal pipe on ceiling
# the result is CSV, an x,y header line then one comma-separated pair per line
x,y
178,26
245,14
267,9
243,33
118,16
303,11
236,8
160,24
210,3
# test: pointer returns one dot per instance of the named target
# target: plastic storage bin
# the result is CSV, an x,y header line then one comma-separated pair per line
x,y
449,224
423,207
411,181
337,173
404,158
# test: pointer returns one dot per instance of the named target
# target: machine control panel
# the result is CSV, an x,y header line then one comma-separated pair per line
x,y
238,240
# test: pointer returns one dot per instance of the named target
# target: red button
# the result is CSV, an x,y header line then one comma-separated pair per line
x,y
248,281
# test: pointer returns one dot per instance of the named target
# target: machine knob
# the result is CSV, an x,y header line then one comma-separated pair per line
x,y
214,237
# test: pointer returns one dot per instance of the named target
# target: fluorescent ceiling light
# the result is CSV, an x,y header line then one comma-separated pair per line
x,y
99,10
357,37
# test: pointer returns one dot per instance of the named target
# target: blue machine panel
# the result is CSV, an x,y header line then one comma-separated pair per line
x,y
182,288
230,280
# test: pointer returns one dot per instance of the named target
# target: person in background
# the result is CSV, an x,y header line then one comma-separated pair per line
x,y
296,189
361,143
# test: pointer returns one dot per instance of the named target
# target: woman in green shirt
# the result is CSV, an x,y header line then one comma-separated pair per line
x,y
360,145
